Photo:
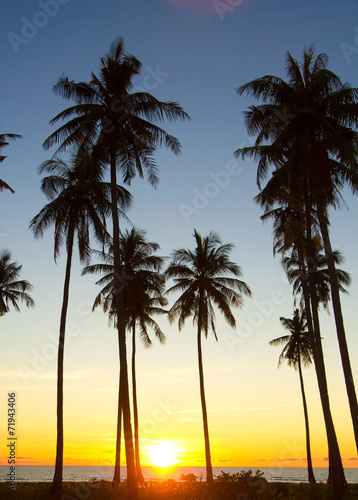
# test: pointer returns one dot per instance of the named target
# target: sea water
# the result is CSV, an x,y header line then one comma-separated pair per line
x,y
37,473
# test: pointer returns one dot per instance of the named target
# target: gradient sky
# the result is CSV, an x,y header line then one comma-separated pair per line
x,y
197,53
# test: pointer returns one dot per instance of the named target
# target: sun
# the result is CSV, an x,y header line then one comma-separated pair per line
x,y
164,454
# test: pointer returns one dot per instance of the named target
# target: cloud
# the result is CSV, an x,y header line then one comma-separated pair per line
x,y
263,408
72,375
223,409
100,389
289,459
353,458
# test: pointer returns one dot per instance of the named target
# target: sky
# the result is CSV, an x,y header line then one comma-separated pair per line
x,y
196,53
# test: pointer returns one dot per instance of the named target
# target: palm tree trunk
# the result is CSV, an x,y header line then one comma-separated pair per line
x,y
117,466
209,469
140,477
311,477
132,486
336,472
56,486
338,316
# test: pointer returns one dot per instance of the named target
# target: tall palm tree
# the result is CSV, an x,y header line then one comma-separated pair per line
x,y
12,290
309,126
297,351
4,142
143,297
119,125
201,276
143,317
296,230
79,203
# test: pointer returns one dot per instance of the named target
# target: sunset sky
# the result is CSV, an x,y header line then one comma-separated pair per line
x,y
197,53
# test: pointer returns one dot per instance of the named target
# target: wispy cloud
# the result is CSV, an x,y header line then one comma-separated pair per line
x,y
72,375
100,389
173,374
45,374
224,409
275,460
289,459
254,408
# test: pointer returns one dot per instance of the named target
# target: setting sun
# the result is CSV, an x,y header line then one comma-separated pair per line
x,y
163,455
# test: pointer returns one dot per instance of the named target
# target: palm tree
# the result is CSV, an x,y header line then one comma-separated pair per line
x,y
297,351
305,125
143,297
296,230
201,277
320,273
12,290
3,142
142,316
119,125
79,202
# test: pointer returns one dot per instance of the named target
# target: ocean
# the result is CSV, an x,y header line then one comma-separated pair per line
x,y
36,473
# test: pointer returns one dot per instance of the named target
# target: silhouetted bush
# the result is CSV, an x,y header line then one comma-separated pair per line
x,y
189,478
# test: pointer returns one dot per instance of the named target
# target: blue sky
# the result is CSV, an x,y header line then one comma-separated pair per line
x,y
196,53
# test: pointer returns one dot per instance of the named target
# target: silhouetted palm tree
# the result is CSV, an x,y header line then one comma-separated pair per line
x,y
296,231
119,125
306,125
320,274
297,351
80,202
200,275
12,290
143,291
4,142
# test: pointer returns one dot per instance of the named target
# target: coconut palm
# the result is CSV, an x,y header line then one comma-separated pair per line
x,y
201,276
143,317
80,202
308,125
143,291
297,231
297,352
4,142
119,125
12,290
320,273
